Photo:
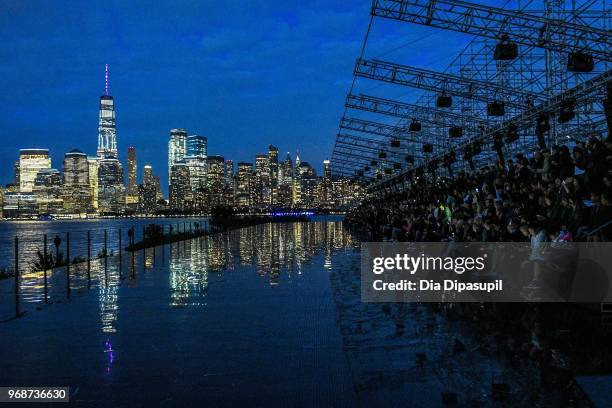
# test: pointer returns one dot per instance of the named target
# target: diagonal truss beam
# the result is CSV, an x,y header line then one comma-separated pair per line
x,y
493,22
581,93
409,110
380,129
441,82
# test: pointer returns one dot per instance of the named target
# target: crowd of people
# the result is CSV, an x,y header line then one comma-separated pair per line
x,y
558,194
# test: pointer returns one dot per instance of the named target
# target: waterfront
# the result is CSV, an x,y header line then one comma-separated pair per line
x,y
31,233
262,316
249,310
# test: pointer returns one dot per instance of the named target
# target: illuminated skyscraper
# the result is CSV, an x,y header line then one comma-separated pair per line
x,y
107,132
197,146
31,161
48,191
243,184
147,174
177,149
148,191
285,179
132,184
216,180
76,192
273,163
229,172
92,162
261,185
197,171
180,190
326,169
111,190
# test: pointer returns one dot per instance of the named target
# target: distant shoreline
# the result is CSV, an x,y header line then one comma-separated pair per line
x,y
136,217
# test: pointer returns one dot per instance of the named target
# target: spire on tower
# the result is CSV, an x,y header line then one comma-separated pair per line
x,y
106,80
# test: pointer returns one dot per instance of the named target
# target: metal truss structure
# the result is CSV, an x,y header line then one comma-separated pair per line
x,y
492,22
538,83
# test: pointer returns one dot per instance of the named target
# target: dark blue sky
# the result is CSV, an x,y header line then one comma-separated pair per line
x,y
244,74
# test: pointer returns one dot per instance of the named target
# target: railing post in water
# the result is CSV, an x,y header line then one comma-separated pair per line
x,y
120,256
105,257
88,259
46,284
154,245
144,251
68,265
17,312
162,242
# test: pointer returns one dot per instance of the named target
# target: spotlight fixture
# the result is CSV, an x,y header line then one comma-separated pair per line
x,y
496,108
580,62
505,50
444,101
455,131
566,113
415,126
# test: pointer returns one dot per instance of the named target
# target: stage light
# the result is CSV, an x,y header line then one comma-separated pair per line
x,y
580,62
415,126
566,113
455,131
444,101
496,108
505,50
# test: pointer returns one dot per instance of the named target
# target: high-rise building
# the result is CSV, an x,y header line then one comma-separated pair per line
x,y
243,184
148,191
147,174
107,131
197,171
285,180
31,161
229,172
180,189
216,180
111,190
273,163
132,183
326,169
197,146
76,192
48,191
177,149
16,170
92,162
261,185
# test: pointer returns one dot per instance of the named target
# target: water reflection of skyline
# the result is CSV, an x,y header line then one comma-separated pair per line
x,y
273,249
276,252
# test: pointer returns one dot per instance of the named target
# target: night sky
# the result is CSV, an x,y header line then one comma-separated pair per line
x,y
244,74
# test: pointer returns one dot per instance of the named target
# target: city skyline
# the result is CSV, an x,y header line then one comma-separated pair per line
x,y
185,66
109,148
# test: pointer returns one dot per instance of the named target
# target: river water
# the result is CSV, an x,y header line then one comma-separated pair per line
x,y
31,234
268,315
